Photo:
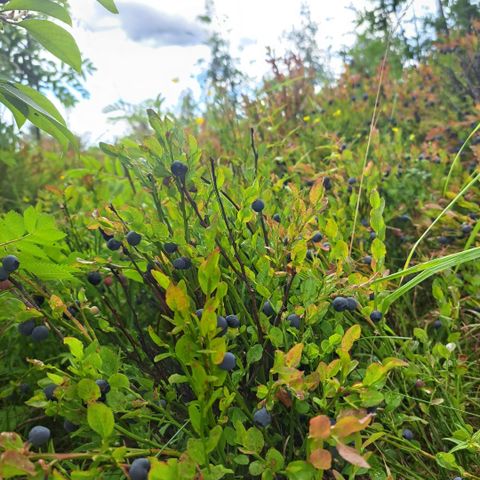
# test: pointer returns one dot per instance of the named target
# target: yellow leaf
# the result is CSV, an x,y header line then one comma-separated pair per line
x,y
294,355
348,425
161,278
350,337
177,299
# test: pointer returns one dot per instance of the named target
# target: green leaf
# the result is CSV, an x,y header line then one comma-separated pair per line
x,y
253,440
100,419
88,390
109,5
47,7
75,346
209,273
56,40
254,353
195,418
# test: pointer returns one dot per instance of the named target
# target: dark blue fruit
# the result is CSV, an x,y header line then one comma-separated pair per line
x,y
340,304
276,217
367,260
133,238
233,321
26,328
38,435
222,325
105,235
24,389
373,235
327,183
262,418
294,320
3,274
170,247
352,180
267,309
466,228
408,434
351,304
103,385
69,426
437,324
182,263
94,278
113,244
40,333
229,361
10,263
139,468
317,237
48,391
376,316
258,205
179,169
199,313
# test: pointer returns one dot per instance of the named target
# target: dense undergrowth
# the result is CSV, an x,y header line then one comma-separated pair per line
x,y
214,342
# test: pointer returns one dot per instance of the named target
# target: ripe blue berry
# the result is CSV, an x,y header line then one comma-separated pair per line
x,y
351,304
94,278
408,434
170,247
26,328
376,316
258,205
352,180
262,418
139,469
466,228
340,304
182,263
233,321
437,324
267,309
199,313
327,183
294,320
40,333
69,426
113,244
38,435
133,238
49,390
229,362
317,237
10,263
103,385
3,274
179,169
367,260
222,325
276,217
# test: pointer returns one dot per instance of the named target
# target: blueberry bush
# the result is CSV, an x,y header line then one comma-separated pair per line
x,y
287,291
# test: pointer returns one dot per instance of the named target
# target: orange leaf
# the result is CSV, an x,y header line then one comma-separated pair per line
x,y
351,456
321,459
319,427
294,355
348,425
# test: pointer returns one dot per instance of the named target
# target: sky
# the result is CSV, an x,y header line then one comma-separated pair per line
x,y
153,47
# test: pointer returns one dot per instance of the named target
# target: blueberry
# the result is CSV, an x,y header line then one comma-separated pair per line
x,y
326,245
294,320
199,313
229,361
38,435
26,328
10,263
276,217
365,96
310,254
162,402
327,183
222,325
103,385
105,236
376,316
371,296
352,180
317,237
267,309
367,260
94,278
364,222
437,324
258,205
40,333
351,304
72,310
458,478
466,228
24,389
233,321
3,274
408,434
339,304
39,299
182,263
179,169
49,390
69,426
113,244
170,247
133,238
262,418
139,468
373,235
